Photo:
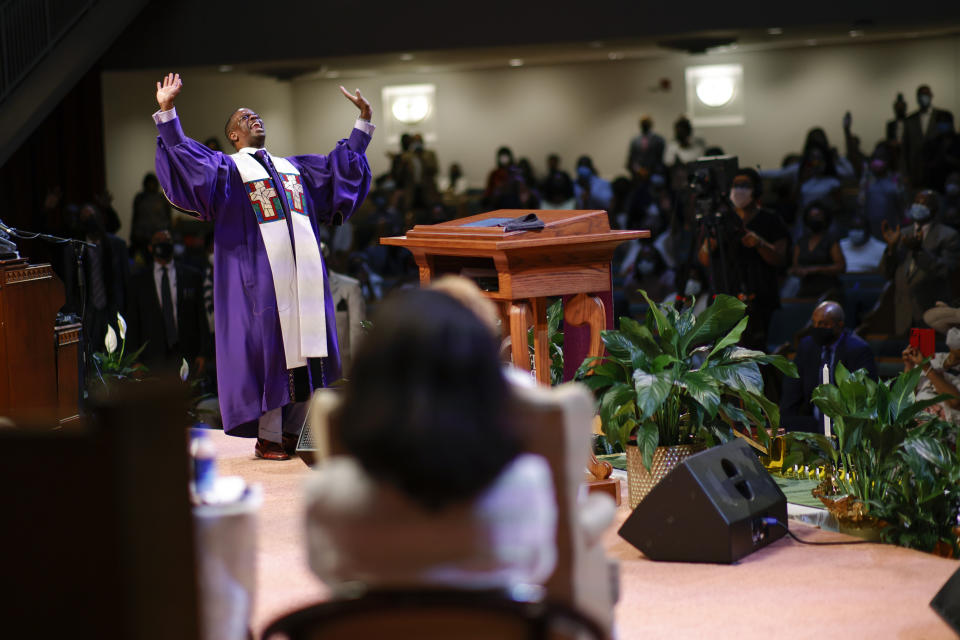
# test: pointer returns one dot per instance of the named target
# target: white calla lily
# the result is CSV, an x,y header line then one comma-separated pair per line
x,y
110,341
123,326
184,370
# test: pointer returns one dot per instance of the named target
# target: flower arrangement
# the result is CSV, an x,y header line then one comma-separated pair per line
x,y
114,364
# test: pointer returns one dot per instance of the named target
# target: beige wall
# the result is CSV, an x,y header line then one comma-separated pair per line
x,y
571,109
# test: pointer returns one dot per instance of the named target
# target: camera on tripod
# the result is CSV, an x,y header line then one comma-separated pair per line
x,y
717,221
710,180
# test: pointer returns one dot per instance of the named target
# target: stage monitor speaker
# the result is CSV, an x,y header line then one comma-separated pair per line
x,y
947,602
710,508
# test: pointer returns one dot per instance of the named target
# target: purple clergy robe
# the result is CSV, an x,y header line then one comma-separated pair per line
x,y
251,367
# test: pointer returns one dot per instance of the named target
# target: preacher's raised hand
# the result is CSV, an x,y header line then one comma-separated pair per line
x,y
169,90
360,102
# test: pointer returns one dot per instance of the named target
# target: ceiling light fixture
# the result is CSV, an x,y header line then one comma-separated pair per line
x,y
775,31
406,57
225,68
516,62
855,33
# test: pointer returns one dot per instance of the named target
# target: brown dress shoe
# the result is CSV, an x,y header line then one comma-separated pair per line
x,y
290,441
270,450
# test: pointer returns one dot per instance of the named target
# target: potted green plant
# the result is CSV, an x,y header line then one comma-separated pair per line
x,y
676,382
895,470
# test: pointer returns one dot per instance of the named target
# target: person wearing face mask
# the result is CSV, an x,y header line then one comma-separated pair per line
x,y
817,258
881,195
166,311
941,373
754,257
862,252
647,270
828,343
500,175
920,126
921,260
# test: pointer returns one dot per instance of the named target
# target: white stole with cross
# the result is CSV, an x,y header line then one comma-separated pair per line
x,y
297,281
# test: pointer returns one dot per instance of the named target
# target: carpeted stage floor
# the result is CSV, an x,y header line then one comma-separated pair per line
x,y
787,590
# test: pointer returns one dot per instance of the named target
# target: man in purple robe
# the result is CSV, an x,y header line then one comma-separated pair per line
x,y
275,321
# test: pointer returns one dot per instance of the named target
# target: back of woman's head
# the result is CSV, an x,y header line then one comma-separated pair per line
x,y
425,409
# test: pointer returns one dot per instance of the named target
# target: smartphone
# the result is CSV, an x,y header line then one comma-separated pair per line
x,y
922,341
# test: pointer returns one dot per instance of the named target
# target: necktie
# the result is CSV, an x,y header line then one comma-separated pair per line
x,y
166,303
98,289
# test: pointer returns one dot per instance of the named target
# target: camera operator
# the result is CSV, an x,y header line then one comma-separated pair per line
x,y
755,249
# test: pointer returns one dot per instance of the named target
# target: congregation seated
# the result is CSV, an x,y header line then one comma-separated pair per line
x,y
862,252
829,343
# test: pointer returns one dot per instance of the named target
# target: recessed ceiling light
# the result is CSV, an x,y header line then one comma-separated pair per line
x,y
855,33
615,55
333,74
226,68
811,42
406,57
775,31
516,62
596,44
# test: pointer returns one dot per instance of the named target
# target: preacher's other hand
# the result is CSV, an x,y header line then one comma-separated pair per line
x,y
168,91
366,113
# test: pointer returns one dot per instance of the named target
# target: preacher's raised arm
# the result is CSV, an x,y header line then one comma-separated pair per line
x,y
168,91
360,102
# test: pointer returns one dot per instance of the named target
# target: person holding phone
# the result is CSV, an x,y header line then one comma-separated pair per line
x,y
941,371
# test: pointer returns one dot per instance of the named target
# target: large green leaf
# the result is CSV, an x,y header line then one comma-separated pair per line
x,y
714,321
930,450
619,347
732,337
901,393
651,390
665,329
703,389
739,375
648,438
641,336
829,400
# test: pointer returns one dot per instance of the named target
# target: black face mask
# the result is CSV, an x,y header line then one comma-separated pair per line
x,y
823,336
163,250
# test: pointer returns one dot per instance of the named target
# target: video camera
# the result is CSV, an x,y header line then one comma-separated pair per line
x,y
710,180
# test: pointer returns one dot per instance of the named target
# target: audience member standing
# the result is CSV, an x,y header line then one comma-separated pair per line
x,y
684,148
151,213
499,175
645,154
881,194
753,257
817,258
920,259
166,310
557,187
862,252
418,174
919,127
895,131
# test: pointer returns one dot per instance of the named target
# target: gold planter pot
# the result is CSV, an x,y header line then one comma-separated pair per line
x,y
641,481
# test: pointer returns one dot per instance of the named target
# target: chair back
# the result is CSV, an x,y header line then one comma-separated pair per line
x,y
435,615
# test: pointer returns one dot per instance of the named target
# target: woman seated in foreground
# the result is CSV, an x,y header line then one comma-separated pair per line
x,y
434,491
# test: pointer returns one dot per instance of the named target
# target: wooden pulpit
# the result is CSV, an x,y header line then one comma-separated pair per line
x,y
569,256
33,388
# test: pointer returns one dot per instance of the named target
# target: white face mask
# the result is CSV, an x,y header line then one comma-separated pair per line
x,y
741,196
646,267
692,288
953,338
